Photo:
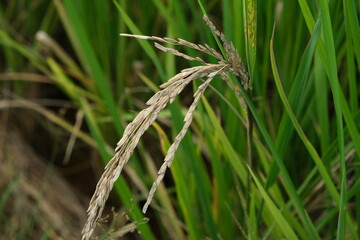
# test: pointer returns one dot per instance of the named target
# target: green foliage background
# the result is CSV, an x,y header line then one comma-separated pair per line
x,y
303,58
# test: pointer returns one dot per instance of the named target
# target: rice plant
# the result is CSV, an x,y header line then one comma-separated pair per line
x,y
259,120
173,87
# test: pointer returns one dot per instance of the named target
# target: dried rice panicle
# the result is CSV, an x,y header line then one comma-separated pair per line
x,y
173,87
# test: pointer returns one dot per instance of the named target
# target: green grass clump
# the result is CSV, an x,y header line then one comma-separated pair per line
x,y
278,160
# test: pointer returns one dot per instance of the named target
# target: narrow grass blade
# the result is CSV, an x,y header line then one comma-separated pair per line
x,y
239,28
179,22
321,50
295,99
63,82
49,116
336,91
228,23
183,193
353,102
278,217
354,28
144,44
252,219
170,217
319,163
7,41
287,180
86,52
234,159
321,99
348,118
221,187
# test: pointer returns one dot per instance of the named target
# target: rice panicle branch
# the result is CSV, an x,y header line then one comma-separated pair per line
x,y
171,151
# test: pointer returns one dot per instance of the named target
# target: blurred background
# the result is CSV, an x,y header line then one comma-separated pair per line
x,y
69,85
